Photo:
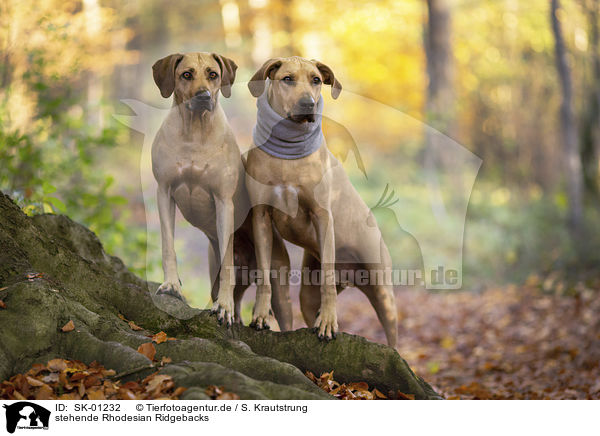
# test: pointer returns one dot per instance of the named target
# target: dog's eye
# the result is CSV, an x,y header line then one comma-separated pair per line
x,y
287,79
316,80
212,75
187,75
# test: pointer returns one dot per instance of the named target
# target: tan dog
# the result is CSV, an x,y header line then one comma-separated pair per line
x,y
334,226
197,164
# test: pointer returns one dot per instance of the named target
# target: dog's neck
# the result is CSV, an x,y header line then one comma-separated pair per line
x,y
195,123
284,138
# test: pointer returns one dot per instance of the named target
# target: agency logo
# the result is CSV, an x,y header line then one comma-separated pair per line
x,y
26,415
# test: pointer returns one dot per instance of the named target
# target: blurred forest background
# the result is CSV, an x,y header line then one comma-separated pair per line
x,y
516,83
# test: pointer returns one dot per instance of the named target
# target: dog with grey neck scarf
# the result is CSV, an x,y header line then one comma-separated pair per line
x,y
290,168
197,164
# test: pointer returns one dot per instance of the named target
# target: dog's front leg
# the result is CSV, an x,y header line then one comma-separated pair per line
x,y
326,323
263,241
223,307
166,211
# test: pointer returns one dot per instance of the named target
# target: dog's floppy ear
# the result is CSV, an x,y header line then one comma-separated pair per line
x,y
329,79
257,82
163,71
228,68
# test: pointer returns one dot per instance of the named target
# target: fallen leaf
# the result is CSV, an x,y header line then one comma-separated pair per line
x,y
379,394
92,380
57,365
160,337
228,396
148,350
180,390
156,380
126,394
134,326
2,304
45,392
70,396
70,326
95,394
164,360
50,378
403,396
34,382
79,375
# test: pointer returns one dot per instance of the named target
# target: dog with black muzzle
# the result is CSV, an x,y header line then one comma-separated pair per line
x,y
289,167
197,164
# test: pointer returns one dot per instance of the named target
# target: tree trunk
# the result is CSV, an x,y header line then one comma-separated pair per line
x,y
440,104
569,129
438,50
53,270
590,140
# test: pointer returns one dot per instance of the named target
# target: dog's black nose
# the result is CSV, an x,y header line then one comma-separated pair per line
x,y
203,95
306,103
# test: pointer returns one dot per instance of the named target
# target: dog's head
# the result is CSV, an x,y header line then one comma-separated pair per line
x,y
295,86
195,79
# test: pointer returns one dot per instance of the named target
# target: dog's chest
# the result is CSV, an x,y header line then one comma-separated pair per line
x,y
190,172
291,214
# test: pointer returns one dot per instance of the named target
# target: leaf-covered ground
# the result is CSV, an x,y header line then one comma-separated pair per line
x,y
504,343
353,391
62,379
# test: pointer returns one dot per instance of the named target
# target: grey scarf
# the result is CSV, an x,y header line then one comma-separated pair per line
x,y
285,138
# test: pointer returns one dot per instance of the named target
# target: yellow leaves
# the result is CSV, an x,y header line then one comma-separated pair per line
x,y
447,342
433,367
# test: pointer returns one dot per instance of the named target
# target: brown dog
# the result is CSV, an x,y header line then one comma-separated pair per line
x,y
197,164
292,169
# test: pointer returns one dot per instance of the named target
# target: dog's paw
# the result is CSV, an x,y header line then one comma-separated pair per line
x,y
260,318
224,311
171,288
326,326
260,323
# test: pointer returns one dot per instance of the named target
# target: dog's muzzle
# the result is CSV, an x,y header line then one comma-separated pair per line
x,y
200,102
303,110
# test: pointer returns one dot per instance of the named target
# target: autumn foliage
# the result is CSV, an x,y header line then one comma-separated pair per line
x,y
63,379
353,391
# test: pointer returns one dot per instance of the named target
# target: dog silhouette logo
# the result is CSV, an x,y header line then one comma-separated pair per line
x,y
26,415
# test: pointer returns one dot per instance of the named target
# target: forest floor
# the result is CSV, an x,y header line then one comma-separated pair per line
x,y
504,343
